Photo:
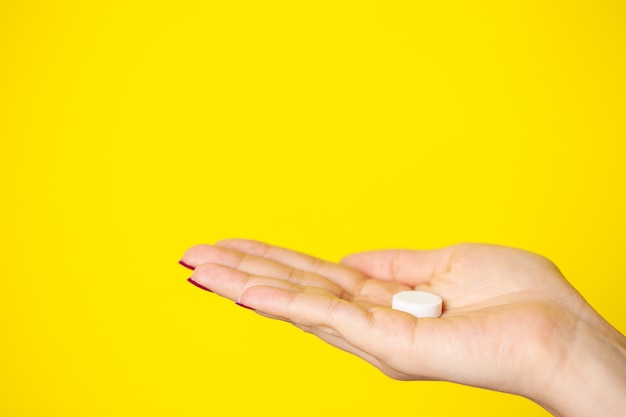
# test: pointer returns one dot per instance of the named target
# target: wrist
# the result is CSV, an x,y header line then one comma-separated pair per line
x,y
588,372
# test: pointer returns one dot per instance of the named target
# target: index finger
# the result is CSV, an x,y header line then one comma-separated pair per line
x,y
378,331
348,279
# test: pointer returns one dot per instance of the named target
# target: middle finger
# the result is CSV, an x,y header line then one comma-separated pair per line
x,y
256,265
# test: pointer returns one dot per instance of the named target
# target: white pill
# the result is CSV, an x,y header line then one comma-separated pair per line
x,y
418,303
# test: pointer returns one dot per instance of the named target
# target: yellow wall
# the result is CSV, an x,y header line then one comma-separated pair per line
x,y
130,130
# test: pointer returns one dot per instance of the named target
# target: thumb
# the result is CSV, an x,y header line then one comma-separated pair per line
x,y
409,267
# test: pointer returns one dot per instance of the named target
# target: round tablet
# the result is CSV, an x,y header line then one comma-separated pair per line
x,y
418,303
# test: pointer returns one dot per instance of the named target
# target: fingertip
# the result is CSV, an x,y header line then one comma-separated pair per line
x,y
348,260
196,249
244,306
186,265
368,263
192,256
194,283
255,292
263,298
358,259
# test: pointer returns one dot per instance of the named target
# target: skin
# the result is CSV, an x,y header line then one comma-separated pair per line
x,y
511,322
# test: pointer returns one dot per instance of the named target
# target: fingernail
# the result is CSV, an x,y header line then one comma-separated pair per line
x,y
244,306
191,281
186,265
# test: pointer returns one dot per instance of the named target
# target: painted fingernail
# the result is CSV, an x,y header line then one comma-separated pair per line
x,y
244,306
191,281
187,265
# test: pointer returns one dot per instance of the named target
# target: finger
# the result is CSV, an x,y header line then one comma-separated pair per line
x,y
409,267
256,265
346,278
262,258
379,331
231,283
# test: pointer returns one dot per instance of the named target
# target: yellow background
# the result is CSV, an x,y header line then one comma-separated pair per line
x,y
130,130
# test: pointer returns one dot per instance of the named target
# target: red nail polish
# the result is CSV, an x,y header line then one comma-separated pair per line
x,y
244,306
187,265
191,281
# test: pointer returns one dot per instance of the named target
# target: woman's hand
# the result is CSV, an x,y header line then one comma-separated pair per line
x,y
510,321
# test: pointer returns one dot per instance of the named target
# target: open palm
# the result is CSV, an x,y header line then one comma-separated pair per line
x,y
502,307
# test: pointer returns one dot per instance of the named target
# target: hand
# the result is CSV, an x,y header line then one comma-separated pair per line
x,y
510,322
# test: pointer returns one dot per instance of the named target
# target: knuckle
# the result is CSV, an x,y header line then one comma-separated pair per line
x,y
295,275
